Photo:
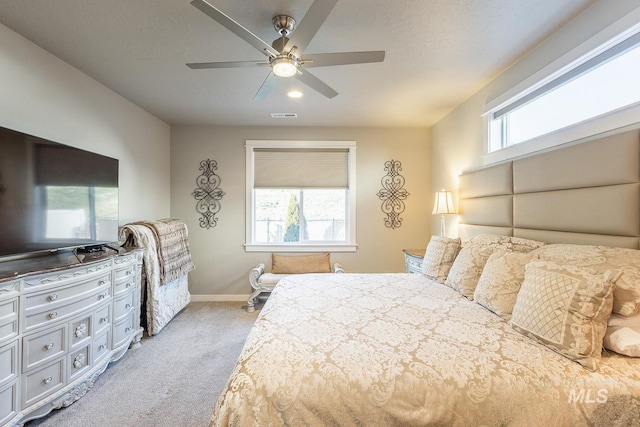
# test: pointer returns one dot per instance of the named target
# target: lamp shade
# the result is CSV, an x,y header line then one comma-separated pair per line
x,y
443,203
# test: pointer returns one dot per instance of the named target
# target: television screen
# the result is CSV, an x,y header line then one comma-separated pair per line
x,y
53,196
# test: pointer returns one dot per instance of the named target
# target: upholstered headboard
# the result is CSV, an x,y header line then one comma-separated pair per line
x,y
587,193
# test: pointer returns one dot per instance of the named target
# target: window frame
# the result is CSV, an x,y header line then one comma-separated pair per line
x,y
615,121
349,246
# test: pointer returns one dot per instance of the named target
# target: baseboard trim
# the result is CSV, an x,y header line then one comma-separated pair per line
x,y
208,298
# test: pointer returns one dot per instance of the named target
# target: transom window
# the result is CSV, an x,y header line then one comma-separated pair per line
x,y
300,196
599,93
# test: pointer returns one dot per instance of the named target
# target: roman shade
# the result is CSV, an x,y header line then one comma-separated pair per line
x,y
300,168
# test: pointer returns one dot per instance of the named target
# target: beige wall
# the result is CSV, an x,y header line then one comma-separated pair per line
x,y
457,141
42,95
222,265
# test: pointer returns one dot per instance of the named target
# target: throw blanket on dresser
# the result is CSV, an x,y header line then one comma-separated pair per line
x,y
163,295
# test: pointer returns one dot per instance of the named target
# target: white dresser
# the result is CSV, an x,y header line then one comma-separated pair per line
x,y
63,319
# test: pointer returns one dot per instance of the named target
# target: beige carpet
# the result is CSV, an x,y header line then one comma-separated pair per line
x,y
174,379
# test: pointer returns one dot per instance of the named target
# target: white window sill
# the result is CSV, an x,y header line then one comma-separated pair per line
x,y
270,247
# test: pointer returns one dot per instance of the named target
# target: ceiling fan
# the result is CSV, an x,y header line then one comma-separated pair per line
x,y
286,54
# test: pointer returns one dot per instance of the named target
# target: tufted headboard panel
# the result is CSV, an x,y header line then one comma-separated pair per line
x,y
587,193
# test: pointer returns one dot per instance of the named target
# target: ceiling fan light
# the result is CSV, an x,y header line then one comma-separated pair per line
x,y
284,67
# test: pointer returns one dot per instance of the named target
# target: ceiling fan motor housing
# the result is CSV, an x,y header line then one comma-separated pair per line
x,y
284,24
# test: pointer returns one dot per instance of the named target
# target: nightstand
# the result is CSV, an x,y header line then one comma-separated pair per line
x,y
413,260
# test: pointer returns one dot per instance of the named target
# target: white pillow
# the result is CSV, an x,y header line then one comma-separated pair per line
x,y
439,256
500,281
623,335
468,265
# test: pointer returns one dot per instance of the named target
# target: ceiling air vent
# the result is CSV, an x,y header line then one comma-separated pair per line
x,y
284,115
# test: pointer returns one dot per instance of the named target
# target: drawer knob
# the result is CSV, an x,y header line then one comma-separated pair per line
x,y
127,329
128,285
102,282
78,362
53,315
102,347
128,273
48,346
53,297
127,306
102,295
47,380
104,319
81,330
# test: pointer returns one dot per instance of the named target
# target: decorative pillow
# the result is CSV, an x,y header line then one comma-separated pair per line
x,y
524,245
500,281
623,334
439,257
565,308
598,259
467,267
297,264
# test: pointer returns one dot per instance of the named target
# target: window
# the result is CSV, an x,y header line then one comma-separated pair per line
x,y
300,196
597,94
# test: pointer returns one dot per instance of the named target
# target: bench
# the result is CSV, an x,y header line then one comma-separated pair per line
x,y
283,266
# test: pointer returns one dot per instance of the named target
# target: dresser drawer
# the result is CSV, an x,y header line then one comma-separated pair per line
x,y
413,260
42,315
69,277
122,306
64,294
8,318
414,265
41,348
42,382
100,346
102,319
124,286
81,330
79,362
8,363
123,330
8,402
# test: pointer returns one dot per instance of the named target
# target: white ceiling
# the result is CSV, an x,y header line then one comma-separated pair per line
x,y
438,53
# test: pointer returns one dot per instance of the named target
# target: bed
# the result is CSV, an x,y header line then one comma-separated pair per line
x,y
506,325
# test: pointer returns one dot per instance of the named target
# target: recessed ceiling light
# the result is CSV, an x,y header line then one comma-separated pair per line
x,y
295,94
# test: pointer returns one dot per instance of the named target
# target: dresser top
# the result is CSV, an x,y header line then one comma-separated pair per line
x,y
33,265
415,252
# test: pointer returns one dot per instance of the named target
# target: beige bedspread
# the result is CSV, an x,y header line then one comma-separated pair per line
x,y
398,349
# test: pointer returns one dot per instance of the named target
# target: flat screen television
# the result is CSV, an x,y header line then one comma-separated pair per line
x,y
54,197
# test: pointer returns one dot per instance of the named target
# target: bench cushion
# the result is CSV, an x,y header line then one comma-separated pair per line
x,y
298,264
270,278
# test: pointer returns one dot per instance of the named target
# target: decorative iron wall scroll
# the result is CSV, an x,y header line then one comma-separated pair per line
x,y
392,194
208,194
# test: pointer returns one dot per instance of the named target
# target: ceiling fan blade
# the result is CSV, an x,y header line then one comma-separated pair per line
x,y
267,87
315,83
310,24
342,58
235,27
231,64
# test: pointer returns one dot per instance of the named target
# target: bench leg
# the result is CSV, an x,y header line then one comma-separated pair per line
x,y
251,301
